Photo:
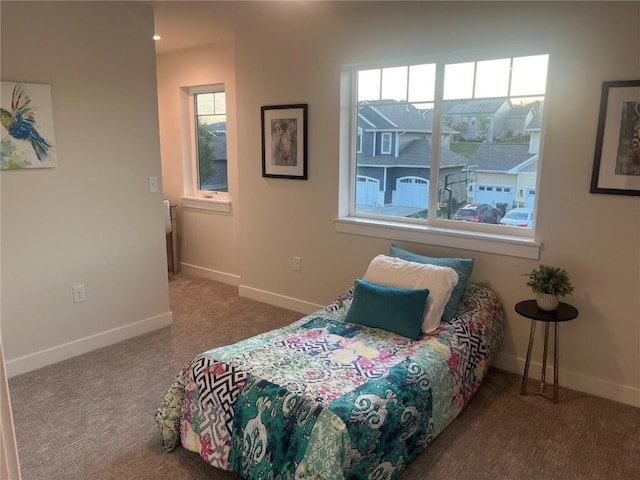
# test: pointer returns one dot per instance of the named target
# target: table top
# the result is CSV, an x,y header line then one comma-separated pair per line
x,y
530,309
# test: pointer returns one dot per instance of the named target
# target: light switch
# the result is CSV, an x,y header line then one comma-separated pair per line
x,y
153,184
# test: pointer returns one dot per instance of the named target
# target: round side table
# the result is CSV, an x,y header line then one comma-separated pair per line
x,y
563,313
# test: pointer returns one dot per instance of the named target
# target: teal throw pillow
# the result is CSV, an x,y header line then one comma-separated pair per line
x,y
462,266
397,310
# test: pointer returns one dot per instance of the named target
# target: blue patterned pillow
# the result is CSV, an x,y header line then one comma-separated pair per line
x,y
397,310
462,266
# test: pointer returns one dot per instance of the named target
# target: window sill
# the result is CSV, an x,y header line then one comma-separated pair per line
x,y
509,245
210,204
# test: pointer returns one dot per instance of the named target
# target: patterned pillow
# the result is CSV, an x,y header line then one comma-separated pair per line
x,y
397,310
462,266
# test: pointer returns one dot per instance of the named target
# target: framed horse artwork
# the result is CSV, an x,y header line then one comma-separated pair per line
x,y
284,141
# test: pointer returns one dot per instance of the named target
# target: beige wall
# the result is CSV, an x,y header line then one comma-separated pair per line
x,y
595,237
91,220
208,241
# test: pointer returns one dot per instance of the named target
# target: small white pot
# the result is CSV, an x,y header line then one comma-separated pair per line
x,y
547,301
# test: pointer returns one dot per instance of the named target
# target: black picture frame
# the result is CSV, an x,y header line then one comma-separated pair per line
x,y
616,164
284,141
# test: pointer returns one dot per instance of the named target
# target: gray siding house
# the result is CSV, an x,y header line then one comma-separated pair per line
x,y
478,119
394,155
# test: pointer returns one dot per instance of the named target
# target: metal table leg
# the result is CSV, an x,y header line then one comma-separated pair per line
x,y
555,365
544,358
525,375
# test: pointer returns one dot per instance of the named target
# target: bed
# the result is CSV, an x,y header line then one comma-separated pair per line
x,y
326,398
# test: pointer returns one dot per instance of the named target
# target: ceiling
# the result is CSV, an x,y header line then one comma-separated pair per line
x,y
187,24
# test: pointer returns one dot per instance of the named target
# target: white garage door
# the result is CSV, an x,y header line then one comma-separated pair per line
x,y
367,189
494,194
412,192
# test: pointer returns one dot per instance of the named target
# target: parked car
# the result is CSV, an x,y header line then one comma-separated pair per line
x,y
478,212
518,217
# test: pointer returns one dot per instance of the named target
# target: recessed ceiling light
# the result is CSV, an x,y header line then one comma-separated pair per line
x,y
157,37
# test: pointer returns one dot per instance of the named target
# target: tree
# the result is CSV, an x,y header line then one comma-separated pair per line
x,y
484,127
206,154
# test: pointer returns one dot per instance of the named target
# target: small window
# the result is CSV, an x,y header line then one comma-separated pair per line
x,y
385,143
359,141
210,110
208,128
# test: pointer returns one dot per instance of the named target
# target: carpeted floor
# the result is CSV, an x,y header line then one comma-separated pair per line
x,y
91,417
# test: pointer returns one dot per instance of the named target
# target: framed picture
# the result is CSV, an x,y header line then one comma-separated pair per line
x,y
26,129
616,166
284,141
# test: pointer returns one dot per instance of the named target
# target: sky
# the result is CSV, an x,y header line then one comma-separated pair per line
x,y
505,77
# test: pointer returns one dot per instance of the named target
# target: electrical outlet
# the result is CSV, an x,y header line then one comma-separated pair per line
x,y
79,294
296,264
153,184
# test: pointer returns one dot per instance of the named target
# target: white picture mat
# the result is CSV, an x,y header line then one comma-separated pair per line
x,y
285,113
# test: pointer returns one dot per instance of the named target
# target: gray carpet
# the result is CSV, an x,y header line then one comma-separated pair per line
x,y
91,417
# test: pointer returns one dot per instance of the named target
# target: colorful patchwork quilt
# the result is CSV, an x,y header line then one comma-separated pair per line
x,y
326,399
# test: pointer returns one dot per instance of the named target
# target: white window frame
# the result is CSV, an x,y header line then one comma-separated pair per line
x,y
433,231
193,197
359,141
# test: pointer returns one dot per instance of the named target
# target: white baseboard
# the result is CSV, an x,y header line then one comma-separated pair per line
x,y
278,300
221,277
58,353
253,293
575,381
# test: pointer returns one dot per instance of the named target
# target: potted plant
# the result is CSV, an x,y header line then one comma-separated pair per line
x,y
549,283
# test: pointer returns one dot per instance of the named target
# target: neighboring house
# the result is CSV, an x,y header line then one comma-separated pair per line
x,y
506,175
478,119
394,155
534,129
517,120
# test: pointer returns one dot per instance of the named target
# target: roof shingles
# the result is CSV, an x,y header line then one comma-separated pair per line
x,y
499,157
417,153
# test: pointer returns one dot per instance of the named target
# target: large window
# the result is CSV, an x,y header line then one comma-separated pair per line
x,y
465,135
210,130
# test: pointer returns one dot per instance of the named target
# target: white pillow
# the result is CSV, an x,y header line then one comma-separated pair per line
x,y
395,272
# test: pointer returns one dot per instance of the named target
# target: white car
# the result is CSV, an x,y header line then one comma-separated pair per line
x,y
518,217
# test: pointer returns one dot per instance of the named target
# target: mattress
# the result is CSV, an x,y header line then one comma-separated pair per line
x,y
326,399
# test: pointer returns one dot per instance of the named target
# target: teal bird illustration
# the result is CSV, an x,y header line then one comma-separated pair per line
x,y
20,122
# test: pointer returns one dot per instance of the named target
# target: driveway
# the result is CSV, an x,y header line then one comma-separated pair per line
x,y
389,210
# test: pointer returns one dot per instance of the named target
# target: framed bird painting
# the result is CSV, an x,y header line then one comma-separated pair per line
x,y
26,131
